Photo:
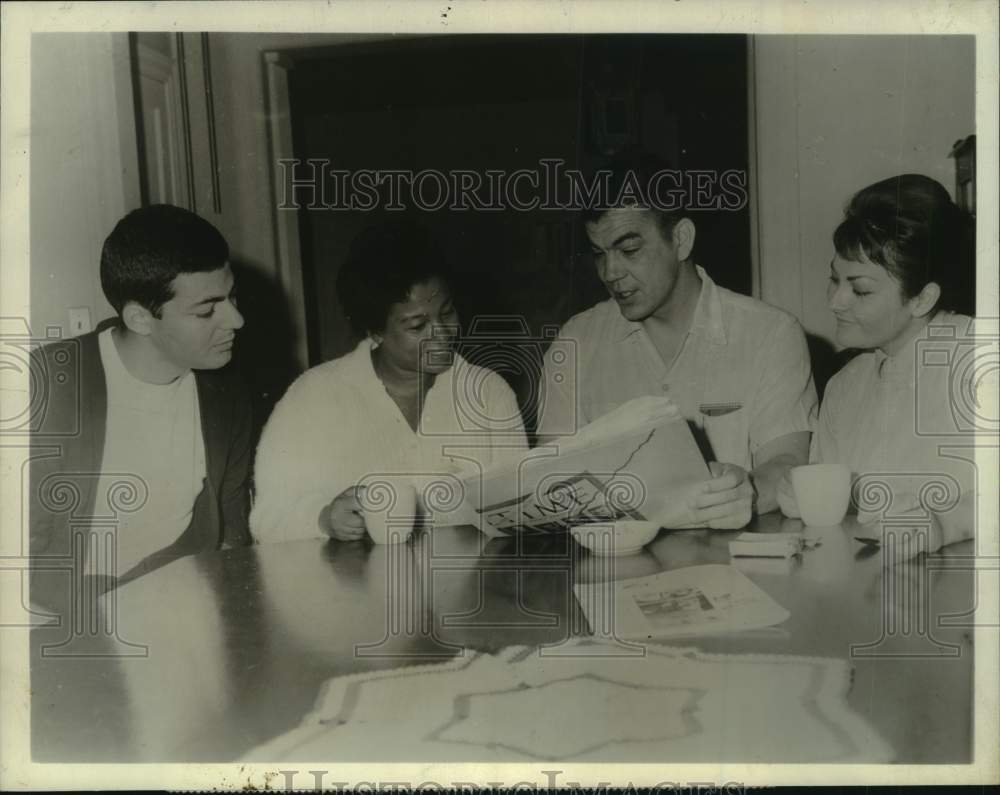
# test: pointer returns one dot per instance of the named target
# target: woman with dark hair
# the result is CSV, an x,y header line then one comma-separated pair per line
x,y
901,283
403,402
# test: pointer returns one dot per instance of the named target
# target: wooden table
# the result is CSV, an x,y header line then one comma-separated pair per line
x,y
212,655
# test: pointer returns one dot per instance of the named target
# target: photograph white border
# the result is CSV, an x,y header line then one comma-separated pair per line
x,y
20,20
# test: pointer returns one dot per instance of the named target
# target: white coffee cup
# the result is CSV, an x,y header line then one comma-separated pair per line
x,y
389,506
823,492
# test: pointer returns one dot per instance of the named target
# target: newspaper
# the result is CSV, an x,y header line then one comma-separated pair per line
x,y
633,463
698,600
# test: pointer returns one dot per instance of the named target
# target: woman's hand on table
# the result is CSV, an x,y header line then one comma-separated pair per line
x,y
343,518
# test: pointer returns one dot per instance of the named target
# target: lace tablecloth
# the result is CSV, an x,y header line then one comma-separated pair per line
x,y
589,701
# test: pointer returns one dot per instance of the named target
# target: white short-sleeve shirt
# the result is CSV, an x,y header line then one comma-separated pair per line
x,y
907,420
742,377
337,425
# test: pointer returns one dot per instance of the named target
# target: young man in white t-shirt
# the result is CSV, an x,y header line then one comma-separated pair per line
x,y
141,453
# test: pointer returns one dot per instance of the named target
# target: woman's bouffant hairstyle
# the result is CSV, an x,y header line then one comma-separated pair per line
x,y
385,262
910,226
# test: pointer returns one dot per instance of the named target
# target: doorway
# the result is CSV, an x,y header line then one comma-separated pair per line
x,y
503,103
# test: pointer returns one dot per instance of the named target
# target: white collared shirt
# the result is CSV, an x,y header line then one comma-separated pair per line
x,y
742,377
904,418
337,425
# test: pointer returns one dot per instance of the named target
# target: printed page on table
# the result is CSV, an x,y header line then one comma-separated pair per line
x,y
700,600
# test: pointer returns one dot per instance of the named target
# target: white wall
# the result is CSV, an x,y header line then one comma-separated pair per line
x,y
834,114
83,171
84,163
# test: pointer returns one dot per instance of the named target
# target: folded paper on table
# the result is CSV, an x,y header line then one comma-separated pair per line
x,y
698,600
630,463
588,701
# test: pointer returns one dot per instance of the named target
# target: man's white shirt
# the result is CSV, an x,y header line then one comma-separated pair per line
x,y
742,377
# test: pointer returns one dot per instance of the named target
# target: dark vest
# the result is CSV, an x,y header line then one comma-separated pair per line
x,y
69,419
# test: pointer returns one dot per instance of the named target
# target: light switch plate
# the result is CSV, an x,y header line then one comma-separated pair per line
x,y
79,320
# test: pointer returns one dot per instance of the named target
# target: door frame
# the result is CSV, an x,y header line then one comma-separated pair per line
x,y
287,241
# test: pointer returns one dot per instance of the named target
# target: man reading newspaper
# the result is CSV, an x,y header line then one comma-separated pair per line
x,y
737,368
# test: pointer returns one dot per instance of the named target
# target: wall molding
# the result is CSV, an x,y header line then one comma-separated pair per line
x,y
180,65
287,244
213,145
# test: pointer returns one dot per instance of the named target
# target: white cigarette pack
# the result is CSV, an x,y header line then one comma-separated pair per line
x,y
766,545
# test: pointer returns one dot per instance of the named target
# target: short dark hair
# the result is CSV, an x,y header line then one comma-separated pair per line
x,y
910,226
385,262
149,247
631,169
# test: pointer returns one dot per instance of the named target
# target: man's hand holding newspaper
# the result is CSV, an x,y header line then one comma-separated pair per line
x,y
638,461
